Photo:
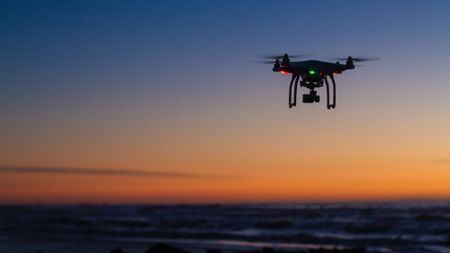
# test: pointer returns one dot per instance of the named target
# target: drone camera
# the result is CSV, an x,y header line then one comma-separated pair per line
x,y
312,97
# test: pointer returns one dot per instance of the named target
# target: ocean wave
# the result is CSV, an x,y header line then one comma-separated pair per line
x,y
378,225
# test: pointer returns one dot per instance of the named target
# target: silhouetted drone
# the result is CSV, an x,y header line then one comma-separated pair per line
x,y
313,74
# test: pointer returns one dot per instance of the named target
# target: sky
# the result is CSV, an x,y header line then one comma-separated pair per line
x,y
161,102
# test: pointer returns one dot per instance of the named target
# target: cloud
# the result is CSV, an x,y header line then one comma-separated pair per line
x,y
98,172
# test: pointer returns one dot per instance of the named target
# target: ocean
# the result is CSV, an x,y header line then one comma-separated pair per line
x,y
415,226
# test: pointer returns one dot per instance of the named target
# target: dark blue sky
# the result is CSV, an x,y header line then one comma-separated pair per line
x,y
84,55
73,47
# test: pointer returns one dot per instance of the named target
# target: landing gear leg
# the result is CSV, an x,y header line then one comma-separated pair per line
x,y
290,91
295,89
328,93
334,91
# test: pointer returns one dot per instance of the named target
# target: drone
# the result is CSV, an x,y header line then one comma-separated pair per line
x,y
314,74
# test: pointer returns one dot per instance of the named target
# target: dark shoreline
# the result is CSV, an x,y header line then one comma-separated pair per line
x,y
71,244
167,248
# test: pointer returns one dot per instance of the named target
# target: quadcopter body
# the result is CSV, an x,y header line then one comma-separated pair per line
x,y
314,74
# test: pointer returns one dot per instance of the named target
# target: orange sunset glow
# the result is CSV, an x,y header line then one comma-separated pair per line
x,y
253,160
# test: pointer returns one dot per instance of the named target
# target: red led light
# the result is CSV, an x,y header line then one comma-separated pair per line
x,y
284,72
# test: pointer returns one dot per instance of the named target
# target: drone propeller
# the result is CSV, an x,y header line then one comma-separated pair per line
x,y
280,56
264,62
357,59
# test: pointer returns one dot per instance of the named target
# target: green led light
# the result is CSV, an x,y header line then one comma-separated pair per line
x,y
312,72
